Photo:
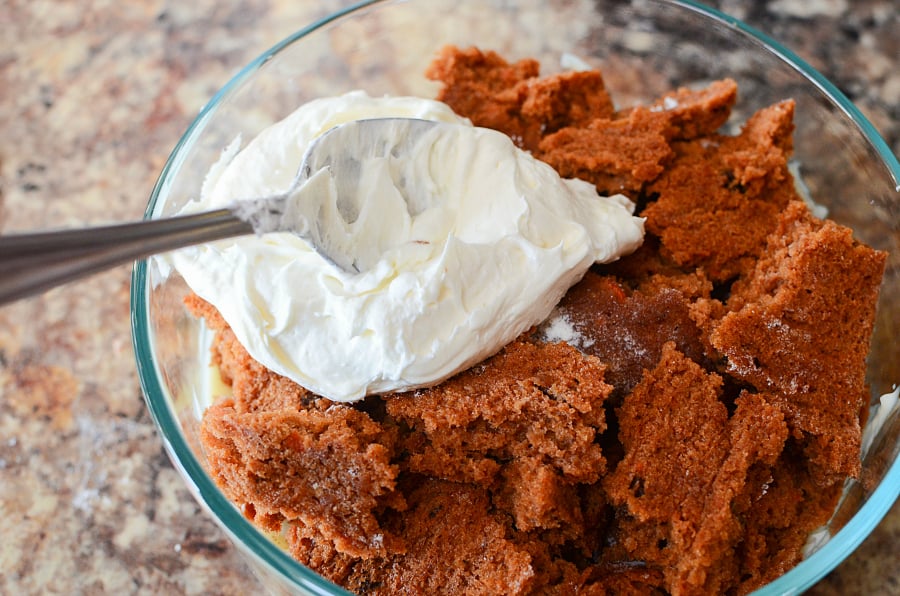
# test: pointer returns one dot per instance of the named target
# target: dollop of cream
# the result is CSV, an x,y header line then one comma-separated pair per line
x,y
493,240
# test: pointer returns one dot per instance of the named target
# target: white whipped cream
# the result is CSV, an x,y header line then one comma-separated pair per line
x,y
496,240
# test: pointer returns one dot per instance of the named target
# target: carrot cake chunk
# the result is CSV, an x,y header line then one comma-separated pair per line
x,y
680,424
800,326
722,196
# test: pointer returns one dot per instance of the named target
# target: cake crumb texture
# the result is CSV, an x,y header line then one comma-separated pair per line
x,y
696,428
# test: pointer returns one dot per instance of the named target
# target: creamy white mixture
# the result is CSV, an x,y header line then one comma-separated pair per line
x,y
495,240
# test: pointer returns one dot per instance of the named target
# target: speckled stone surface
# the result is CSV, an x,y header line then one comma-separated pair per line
x,y
93,96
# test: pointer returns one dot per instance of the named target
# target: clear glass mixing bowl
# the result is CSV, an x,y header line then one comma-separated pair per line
x,y
644,48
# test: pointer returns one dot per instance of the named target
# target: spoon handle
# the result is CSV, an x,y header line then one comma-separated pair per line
x,y
35,262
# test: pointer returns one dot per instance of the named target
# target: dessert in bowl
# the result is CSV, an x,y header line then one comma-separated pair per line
x,y
593,518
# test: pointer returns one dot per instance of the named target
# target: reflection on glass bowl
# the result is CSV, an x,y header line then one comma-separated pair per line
x,y
384,47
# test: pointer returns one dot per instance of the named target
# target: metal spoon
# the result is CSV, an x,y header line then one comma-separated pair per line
x,y
34,262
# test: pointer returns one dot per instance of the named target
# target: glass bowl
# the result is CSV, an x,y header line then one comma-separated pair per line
x,y
643,48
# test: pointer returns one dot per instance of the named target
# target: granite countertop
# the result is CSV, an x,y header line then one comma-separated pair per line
x,y
93,96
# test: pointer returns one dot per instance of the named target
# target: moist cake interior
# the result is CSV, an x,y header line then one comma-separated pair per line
x,y
679,425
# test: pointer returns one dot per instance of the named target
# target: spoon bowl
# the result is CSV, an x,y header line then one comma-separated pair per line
x,y
34,262
644,49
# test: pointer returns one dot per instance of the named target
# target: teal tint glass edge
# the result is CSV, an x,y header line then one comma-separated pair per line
x,y
182,456
815,77
148,374
173,163
795,581
842,544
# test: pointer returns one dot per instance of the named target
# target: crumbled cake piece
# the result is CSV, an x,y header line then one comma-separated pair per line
x,y
625,151
486,88
313,549
694,113
618,155
625,329
260,457
569,120
455,544
537,401
722,196
799,327
565,99
778,519
512,99
479,560
685,464
680,424
539,498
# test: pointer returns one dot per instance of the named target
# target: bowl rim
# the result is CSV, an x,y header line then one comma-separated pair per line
x,y
241,531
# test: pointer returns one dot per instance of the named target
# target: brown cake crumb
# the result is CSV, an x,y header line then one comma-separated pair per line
x,y
535,401
263,457
623,152
800,327
722,196
695,425
694,113
616,155
566,99
623,328
683,456
442,558
485,88
478,560
512,99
